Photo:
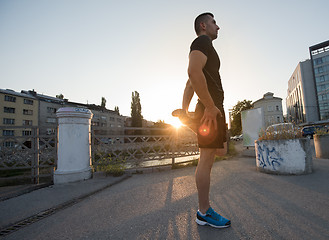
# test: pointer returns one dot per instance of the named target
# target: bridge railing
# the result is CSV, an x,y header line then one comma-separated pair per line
x,y
25,154
33,156
144,147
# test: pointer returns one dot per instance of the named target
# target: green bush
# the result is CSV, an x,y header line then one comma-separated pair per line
x,y
322,131
271,134
114,167
231,148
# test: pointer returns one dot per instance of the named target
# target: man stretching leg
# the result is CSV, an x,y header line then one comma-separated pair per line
x,y
205,81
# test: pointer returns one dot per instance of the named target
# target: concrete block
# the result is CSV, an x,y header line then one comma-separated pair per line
x,y
284,156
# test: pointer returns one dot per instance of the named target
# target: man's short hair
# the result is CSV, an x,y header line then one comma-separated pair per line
x,y
199,19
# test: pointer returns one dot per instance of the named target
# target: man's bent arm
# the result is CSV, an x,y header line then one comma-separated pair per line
x,y
187,97
197,61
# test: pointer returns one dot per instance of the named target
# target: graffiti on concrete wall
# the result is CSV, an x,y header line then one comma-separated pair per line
x,y
268,158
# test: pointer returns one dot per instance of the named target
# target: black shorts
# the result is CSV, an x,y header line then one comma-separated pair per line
x,y
211,138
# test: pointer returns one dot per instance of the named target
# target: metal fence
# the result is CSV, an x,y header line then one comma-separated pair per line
x,y
144,147
25,155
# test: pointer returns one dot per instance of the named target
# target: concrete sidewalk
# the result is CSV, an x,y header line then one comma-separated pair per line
x,y
31,203
163,205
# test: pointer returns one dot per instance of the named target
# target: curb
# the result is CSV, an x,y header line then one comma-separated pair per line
x,y
24,191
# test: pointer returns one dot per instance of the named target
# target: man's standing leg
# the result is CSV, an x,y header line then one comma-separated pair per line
x,y
202,177
206,215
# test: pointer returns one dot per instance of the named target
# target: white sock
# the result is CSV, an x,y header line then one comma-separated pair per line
x,y
203,215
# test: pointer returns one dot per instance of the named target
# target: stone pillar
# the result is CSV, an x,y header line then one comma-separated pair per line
x,y
74,145
321,145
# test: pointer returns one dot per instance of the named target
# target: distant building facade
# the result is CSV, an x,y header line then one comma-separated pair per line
x,y
271,107
29,108
105,121
320,61
47,120
308,88
17,110
301,99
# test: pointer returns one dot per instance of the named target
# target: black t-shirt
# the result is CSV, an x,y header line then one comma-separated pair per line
x,y
211,69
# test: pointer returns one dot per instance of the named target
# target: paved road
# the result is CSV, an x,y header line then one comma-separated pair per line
x,y
163,206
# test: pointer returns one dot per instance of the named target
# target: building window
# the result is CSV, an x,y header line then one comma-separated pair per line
x,y
317,61
27,122
326,77
10,98
323,97
8,121
277,108
27,112
322,78
28,101
321,88
50,131
51,120
9,110
319,70
51,110
26,133
8,132
325,106
95,124
112,119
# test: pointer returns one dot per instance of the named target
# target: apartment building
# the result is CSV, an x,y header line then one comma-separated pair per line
x,y
320,62
145,123
308,88
301,101
17,110
106,121
47,120
271,107
29,108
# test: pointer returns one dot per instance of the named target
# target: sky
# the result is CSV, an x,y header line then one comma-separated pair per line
x,y
89,49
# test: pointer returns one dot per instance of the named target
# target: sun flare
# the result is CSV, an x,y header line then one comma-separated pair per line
x,y
176,123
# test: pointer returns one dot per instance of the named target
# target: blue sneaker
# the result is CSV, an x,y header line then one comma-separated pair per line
x,y
212,219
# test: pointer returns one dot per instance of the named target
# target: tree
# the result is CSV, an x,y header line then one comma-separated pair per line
x,y
161,128
136,110
161,124
236,126
116,109
60,96
103,103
